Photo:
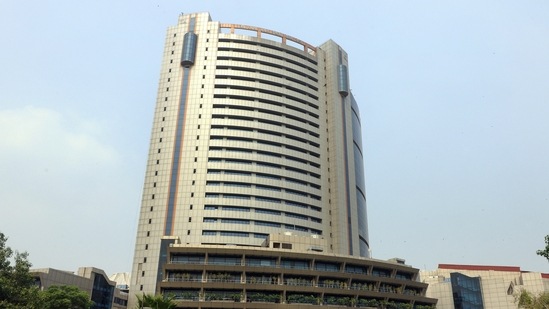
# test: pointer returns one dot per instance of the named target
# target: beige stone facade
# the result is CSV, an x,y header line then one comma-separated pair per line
x,y
256,138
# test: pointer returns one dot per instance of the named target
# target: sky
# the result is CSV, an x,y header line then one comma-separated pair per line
x,y
454,101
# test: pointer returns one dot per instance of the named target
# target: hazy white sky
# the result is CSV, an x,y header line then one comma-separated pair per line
x,y
454,97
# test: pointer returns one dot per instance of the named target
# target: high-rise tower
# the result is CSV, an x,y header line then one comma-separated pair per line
x,y
255,147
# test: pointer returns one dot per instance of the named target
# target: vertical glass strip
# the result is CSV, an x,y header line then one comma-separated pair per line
x,y
347,193
174,171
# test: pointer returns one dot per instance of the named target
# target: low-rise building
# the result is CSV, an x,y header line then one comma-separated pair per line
x,y
213,276
481,287
122,287
102,291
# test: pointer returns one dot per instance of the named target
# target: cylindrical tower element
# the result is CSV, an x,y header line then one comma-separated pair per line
x,y
342,80
189,49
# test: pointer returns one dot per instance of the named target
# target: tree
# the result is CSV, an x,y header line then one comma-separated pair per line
x,y
65,297
524,299
155,302
527,300
17,289
545,252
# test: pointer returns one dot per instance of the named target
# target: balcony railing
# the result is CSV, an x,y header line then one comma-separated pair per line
x,y
174,261
298,282
229,263
172,279
333,285
233,280
262,280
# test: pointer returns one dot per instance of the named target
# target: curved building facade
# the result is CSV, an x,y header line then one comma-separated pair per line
x,y
256,135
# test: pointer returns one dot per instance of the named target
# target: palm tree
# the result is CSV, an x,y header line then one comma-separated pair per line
x,y
155,302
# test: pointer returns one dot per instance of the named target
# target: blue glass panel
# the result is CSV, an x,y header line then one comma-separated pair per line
x,y
466,291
